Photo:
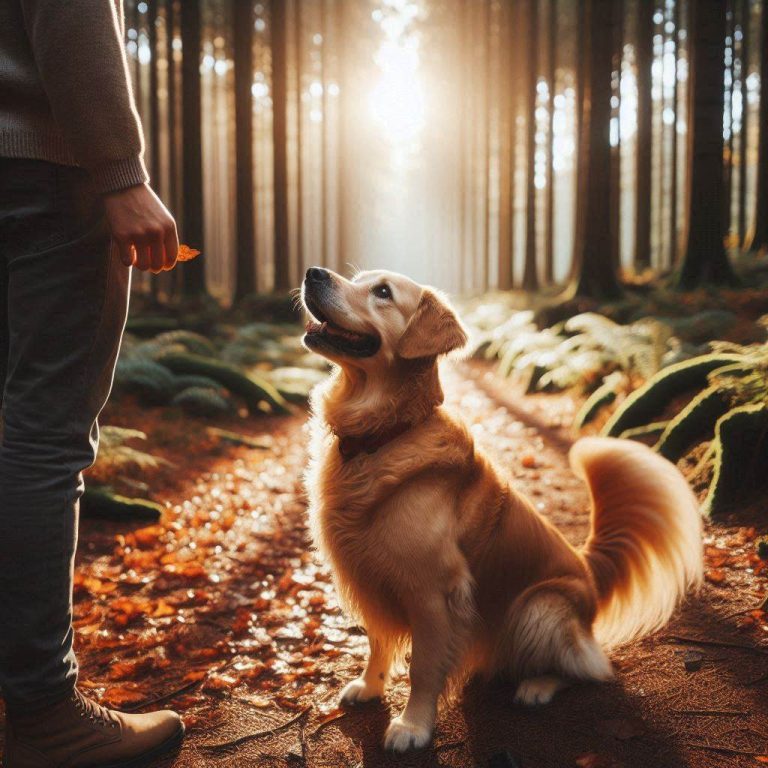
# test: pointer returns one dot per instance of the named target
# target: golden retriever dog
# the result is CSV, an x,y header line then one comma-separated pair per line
x,y
430,544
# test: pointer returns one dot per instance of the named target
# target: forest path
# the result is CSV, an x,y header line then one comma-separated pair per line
x,y
222,612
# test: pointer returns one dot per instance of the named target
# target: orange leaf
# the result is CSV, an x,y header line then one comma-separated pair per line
x,y
119,696
715,575
187,254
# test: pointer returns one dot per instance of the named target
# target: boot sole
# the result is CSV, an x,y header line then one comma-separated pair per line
x,y
146,759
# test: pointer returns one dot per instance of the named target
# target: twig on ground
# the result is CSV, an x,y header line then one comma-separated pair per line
x,y
164,697
257,735
721,748
328,721
712,712
683,640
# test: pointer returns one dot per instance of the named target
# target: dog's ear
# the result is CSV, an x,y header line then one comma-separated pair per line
x,y
433,329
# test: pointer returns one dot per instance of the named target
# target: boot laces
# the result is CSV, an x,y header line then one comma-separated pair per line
x,y
93,711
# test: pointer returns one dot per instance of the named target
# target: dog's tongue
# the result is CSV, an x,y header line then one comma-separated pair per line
x,y
313,326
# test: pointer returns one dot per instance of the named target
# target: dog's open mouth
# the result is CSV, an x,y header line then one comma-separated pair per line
x,y
321,332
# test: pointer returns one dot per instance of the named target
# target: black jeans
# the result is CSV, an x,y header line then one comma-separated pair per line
x,y
63,305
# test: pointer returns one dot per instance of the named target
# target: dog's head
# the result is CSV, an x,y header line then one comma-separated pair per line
x,y
377,319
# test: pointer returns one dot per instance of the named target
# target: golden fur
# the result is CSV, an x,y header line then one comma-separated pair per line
x,y
430,544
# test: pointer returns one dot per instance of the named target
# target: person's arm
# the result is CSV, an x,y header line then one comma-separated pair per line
x,y
78,49
79,52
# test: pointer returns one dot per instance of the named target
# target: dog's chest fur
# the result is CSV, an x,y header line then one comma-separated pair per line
x,y
362,513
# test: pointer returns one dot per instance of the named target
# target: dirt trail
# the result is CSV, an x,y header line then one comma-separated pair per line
x,y
222,612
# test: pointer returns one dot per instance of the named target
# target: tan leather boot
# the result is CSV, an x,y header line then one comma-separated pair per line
x,y
79,733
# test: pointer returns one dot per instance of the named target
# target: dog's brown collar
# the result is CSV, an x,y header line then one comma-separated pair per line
x,y
370,442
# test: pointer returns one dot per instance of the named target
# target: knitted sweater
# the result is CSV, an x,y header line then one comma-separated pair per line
x,y
65,93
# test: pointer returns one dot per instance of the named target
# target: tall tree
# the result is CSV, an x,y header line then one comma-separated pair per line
x,y
593,271
487,38
192,147
644,49
530,273
673,235
280,142
549,236
154,109
705,259
615,191
504,95
173,139
154,92
298,54
730,90
245,235
759,239
744,138
344,121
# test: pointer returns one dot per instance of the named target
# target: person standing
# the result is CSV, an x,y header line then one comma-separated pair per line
x,y
76,214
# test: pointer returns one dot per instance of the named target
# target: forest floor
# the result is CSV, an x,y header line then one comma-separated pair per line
x,y
222,611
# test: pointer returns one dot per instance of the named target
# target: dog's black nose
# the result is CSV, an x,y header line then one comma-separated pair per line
x,y
318,274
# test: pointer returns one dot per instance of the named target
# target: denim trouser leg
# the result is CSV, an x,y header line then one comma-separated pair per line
x,y
64,302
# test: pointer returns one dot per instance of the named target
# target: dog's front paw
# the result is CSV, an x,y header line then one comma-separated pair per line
x,y
402,736
358,692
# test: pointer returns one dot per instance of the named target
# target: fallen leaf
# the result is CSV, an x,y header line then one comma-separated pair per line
x,y
715,575
187,254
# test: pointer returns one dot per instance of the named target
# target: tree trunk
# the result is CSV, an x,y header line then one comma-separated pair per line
x,y
245,235
530,274
615,194
154,100
593,272
645,9
549,242
298,51
192,148
744,139
173,139
487,47
728,159
759,239
506,148
705,260
345,149
673,234
279,135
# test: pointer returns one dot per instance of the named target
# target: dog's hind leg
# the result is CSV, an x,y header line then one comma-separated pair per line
x,y
371,684
550,645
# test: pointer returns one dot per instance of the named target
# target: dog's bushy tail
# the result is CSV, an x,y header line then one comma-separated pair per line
x,y
645,546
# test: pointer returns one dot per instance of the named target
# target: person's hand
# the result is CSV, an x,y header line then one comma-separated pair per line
x,y
142,228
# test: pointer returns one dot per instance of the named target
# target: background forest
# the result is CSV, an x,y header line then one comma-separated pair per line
x,y
476,144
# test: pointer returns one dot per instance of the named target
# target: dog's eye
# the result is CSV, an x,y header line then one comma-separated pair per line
x,y
382,291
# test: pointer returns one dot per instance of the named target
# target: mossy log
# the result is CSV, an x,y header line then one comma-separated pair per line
x,y
741,457
148,326
151,382
193,342
203,401
253,390
647,433
604,395
100,502
695,422
651,399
